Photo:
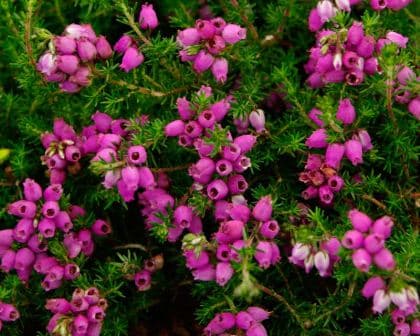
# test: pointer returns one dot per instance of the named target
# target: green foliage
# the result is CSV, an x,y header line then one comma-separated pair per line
x,y
270,60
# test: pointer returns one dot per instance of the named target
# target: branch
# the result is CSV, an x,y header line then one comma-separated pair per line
x,y
171,169
375,201
131,246
281,299
28,31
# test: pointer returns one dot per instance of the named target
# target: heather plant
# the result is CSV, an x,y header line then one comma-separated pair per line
x,y
228,167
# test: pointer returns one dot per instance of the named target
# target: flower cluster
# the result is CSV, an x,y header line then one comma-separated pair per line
x,y
324,258
405,298
367,239
197,120
203,44
127,45
213,261
143,278
403,93
343,56
8,313
321,171
63,151
121,162
248,320
82,315
326,10
71,56
25,247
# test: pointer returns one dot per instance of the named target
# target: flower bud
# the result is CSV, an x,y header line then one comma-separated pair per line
x,y
378,5
346,112
8,312
335,183
8,260
257,120
263,209
103,47
123,44
32,190
237,184
310,192
245,142
220,109
206,273
244,320
414,107
101,228
318,139
359,220
50,209
402,329
224,273
343,5
314,21
203,61
137,155
374,243
381,301
132,59
263,254
71,271
326,10
415,327
68,63
269,229
353,239
95,314
22,231
46,227
354,151
205,28
224,167
60,305
325,194
24,258
322,263
86,50
384,260
398,39
366,47
256,329
314,116
219,69
47,64
233,33
147,17
202,170
372,285
80,324
230,231
361,260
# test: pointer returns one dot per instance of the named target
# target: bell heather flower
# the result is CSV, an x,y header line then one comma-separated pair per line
x,y
362,260
132,58
372,285
381,301
219,69
147,17
346,112
318,139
